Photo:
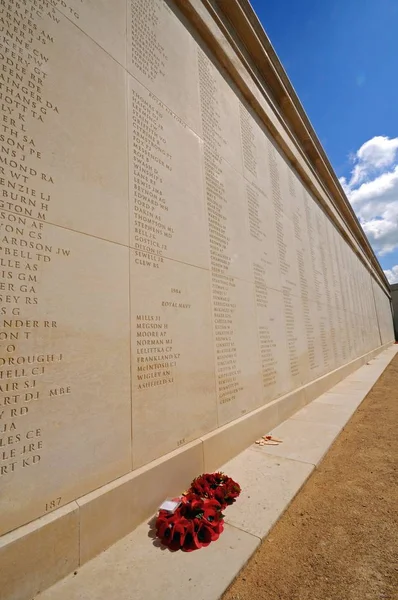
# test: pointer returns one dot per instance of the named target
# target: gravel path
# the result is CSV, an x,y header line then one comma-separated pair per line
x,y
338,540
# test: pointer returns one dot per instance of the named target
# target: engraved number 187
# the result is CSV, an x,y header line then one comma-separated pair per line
x,y
53,504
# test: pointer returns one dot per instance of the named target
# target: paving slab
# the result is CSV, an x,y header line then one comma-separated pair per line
x,y
302,441
372,371
350,403
269,484
325,413
349,386
136,569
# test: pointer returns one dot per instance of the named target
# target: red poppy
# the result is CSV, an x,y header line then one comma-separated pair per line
x,y
212,503
200,536
216,485
165,525
181,527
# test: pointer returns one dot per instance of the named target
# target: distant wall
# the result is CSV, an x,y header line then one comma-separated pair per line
x,y
394,297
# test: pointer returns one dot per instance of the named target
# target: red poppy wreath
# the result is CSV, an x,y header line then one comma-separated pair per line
x,y
198,520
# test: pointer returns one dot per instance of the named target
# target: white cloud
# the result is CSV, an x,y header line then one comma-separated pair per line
x,y
392,274
373,191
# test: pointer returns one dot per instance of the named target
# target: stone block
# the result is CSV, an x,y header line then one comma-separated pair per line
x,y
269,484
162,56
227,441
236,349
69,165
350,403
227,217
64,373
325,413
220,111
114,510
348,386
322,385
137,568
167,215
105,23
255,148
173,385
289,404
275,365
37,555
302,441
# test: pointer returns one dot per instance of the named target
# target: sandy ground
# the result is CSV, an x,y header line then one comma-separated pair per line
x,y
339,537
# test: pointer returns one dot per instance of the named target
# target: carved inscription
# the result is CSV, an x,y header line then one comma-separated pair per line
x,y
262,263
327,348
173,396
284,264
152,161
26,197
223,285
156,358
313,236
166,185
300,226
338,338
248,141
147,52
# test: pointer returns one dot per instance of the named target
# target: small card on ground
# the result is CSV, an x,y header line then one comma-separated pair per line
x,y
170,505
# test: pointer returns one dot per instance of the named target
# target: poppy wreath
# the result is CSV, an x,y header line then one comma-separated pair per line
x,y
216,486
198,520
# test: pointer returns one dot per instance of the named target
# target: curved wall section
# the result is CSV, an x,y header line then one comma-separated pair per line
x,y
172,266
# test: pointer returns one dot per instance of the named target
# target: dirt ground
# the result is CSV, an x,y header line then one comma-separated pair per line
x,y
338,540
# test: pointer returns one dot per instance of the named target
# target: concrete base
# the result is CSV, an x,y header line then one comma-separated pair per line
x,y
46,550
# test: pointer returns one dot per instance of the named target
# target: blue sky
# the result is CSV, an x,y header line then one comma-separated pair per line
x,y
342,58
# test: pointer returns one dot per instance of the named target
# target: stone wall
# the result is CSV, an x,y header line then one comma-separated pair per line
x,y
169,282
394,298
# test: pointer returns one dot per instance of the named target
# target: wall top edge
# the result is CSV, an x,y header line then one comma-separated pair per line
x,y
247,27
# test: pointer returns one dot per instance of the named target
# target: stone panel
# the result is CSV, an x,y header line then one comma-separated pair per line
x,y
305,267
173,372
64,367
275,364
287,252
167,209
161,54
219,110
131,499
39,554
315,338
338,333
384,315
313,273
63,152
262,239
227,219
238,367
255,149
103,21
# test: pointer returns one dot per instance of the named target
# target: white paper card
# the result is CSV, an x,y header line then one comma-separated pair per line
x,y
169,505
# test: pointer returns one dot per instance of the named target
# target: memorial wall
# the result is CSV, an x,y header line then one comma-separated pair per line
x,y
164,270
